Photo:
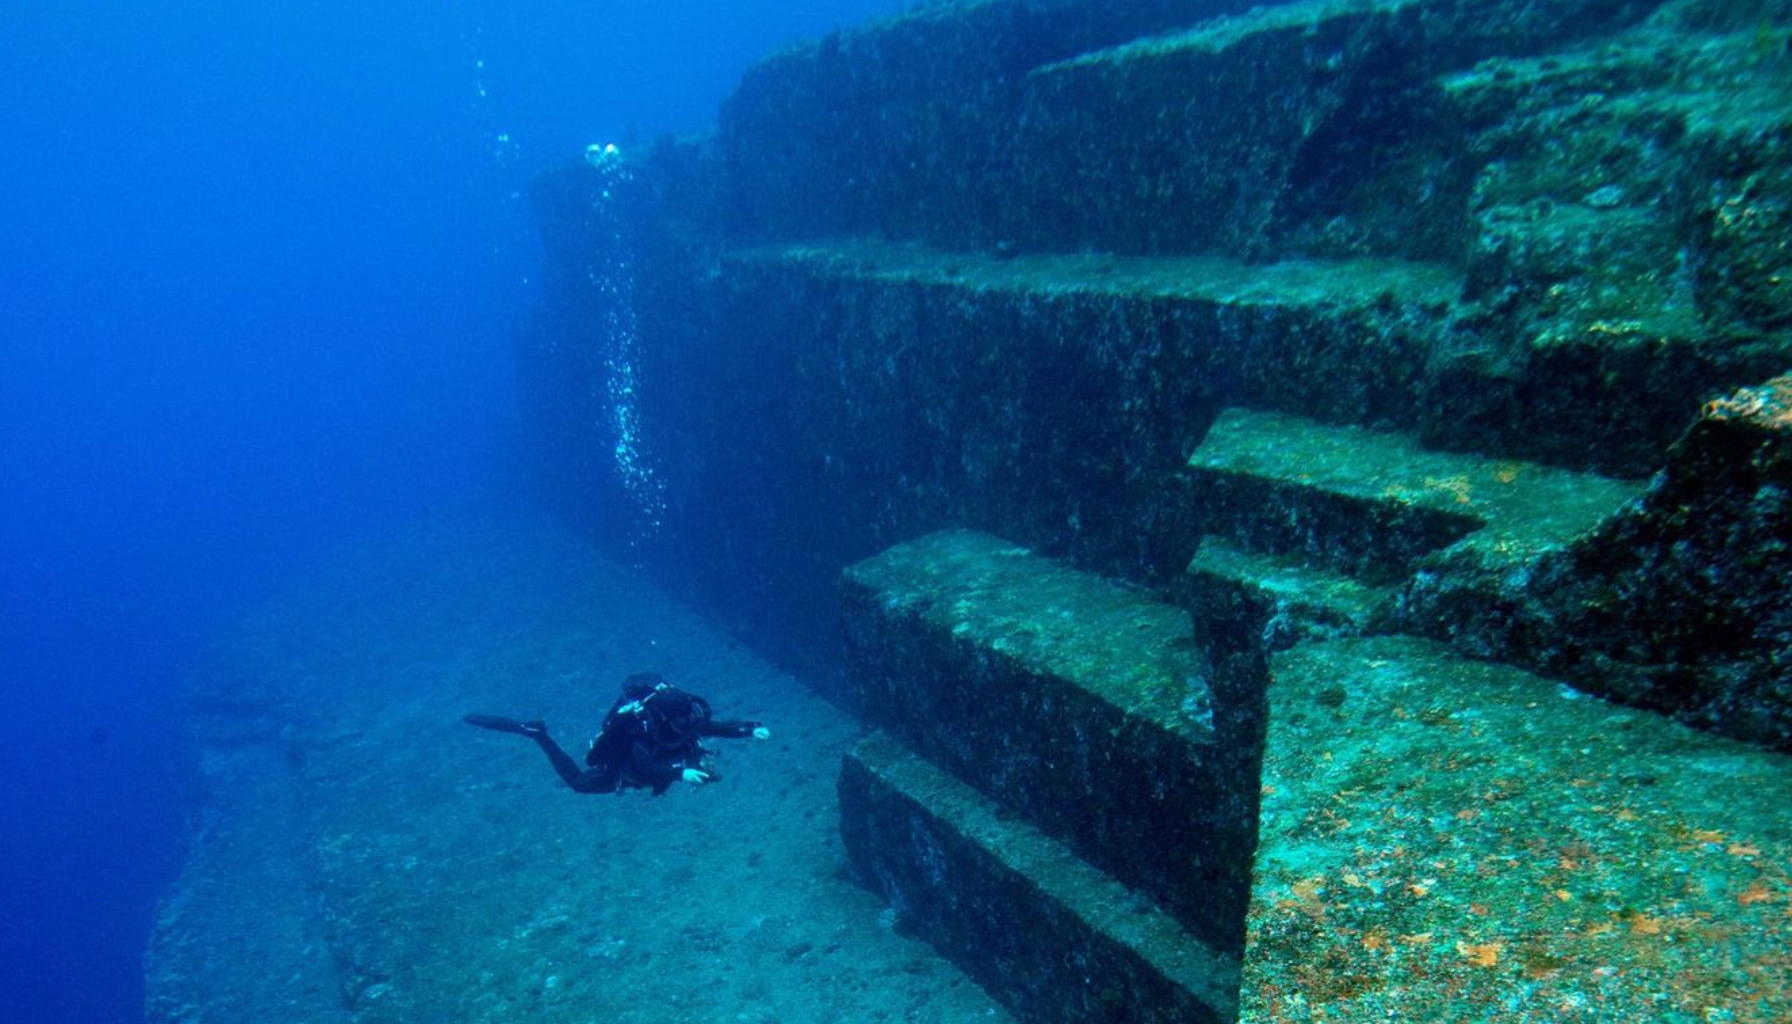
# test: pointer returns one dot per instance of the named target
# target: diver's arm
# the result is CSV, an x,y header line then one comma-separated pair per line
x,y
732,730
654,773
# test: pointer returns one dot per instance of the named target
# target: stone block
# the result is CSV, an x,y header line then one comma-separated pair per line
x,y
1678,603
1054,939
1076,703
1298,601
1373,503
903,127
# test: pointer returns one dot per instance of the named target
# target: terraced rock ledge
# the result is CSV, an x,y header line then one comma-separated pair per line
x,y
1055,938
1438,345
1079,705
1252,330
1378,501
1438,837
1345,530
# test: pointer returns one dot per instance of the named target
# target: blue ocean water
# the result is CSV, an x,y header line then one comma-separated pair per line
x,y
260,265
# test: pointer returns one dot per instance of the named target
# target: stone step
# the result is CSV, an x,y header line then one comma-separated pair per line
x,y
1344,339
1044,932
1301,601
902,126
1372,503
1678,602
1058,124
1579,238
1080,705
1450,840
1311,125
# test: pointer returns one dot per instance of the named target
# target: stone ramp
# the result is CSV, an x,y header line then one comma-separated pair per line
x,y
1077,704
1051,936
1448,840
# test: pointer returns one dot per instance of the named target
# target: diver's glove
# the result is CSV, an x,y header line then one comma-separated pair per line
x,y
760,732
695,777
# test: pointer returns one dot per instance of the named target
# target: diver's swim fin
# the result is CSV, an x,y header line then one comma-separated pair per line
x,y
503,724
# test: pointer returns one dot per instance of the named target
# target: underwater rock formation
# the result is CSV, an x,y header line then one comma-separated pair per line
x,y
1305,489
1300,494
913,283
1680,602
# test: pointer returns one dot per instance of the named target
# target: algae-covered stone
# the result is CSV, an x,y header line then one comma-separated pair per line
x,y
1680,604
1627,253
1373,503
1079,704
1047,934
904,126
1314,126
1453,841
1300,601
1748,273
811,404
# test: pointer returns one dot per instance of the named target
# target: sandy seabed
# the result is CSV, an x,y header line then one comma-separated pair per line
x,y
363,855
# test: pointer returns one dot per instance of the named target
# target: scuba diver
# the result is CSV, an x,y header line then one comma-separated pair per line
x,y
649,740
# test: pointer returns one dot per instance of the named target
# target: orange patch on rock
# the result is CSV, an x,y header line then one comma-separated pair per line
x,y
1485,954
1756,893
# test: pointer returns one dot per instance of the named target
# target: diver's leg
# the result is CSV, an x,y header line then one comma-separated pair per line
x,y
568,769
496,723
582,780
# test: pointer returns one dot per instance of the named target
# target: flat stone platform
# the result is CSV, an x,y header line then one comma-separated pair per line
x,y
1449,840
1343,283
1303,601
1346,340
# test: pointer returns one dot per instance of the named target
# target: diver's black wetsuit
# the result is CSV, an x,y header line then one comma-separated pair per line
x,y
649,739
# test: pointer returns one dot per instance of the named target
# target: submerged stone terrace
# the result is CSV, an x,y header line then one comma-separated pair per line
x,y
1395,342
1374,317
